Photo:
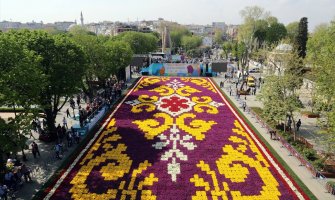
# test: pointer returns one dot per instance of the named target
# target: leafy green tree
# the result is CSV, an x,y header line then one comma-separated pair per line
x,y
251,32
279,93
279,97
227,48
62,62
321,51
119,54
292,32
191,42
176,34
140,43
98,62
275,32
218,37
302,37
21,81
251,21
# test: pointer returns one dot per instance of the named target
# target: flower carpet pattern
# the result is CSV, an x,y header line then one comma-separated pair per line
x,y
175,138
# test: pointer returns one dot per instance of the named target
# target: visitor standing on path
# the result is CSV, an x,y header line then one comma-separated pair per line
x,y
65,123
68,113
35,150
298,124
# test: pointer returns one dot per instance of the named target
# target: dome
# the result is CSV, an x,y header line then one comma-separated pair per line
x,y
284,47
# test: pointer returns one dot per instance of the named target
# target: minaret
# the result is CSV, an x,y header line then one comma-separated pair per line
x,y
81,18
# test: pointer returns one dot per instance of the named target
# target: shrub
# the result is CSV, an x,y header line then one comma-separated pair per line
x,y
319,164
310,154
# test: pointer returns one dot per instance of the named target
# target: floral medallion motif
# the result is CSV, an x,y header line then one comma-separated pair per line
x,y
175,138
174,104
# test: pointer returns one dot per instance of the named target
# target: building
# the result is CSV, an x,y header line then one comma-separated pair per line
x,y
220,25
232,31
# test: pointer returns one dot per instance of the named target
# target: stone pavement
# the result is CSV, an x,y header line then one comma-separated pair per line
x,y
44,166
316,186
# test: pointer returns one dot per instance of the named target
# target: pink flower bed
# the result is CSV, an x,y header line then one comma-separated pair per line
x,y
175,138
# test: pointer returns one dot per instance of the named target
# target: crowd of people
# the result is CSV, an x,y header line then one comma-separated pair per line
x,y
15,175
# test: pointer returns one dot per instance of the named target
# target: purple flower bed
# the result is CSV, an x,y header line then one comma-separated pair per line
x,y
175,138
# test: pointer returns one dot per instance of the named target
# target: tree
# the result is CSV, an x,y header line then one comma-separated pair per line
x,y
275,32
302,37
321,51
279,93
218,34
227,48
292,32
62,62
190,42
98,62
20,84
253,20
119,54
176,34
251,15
140,43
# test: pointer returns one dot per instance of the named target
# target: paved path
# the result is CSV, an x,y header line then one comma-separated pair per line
x,y
316,186
43,167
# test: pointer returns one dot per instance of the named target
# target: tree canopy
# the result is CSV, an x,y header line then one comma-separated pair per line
x,y
176,34
62,63
140,43
292,32
21,81
191,42
321,51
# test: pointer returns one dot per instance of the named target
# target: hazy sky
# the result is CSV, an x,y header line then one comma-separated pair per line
x,y
181,11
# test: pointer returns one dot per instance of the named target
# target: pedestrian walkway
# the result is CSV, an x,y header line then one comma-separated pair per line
x,y
316,186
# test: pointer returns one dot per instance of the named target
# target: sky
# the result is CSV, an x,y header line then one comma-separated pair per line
x,y
181,11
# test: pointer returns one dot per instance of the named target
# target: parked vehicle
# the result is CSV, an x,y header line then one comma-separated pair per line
x,y
255,70
251,81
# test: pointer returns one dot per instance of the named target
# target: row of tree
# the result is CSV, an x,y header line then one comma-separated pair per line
x,y
262,32
38,69
310,52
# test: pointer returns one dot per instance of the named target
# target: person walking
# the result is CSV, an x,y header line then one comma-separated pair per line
x,y
58,148
68,113
244,106
3,191
26,173
35,150
298,124
65,122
